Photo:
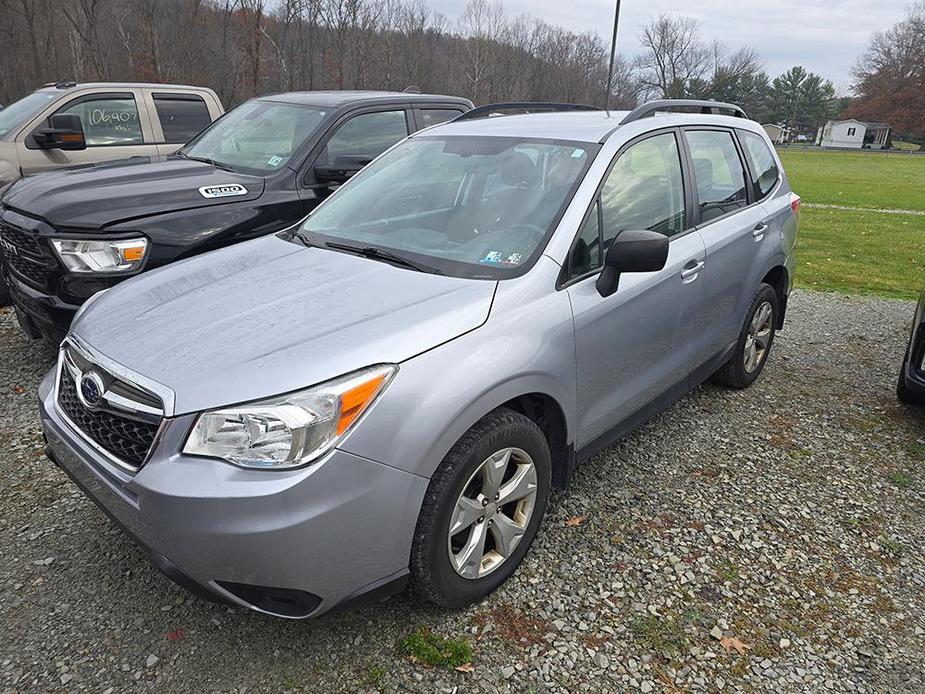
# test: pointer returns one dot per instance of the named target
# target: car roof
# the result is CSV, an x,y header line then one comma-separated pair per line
x,y
336,99
575,126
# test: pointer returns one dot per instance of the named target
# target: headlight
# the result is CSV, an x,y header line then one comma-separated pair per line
x,y
80,255
290,430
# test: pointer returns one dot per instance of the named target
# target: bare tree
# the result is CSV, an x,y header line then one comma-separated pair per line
x,y
674,57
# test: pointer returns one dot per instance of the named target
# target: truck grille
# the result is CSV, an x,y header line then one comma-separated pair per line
x,y
25,256
126,436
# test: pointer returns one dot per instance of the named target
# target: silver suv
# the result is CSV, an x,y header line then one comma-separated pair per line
x,y
388,391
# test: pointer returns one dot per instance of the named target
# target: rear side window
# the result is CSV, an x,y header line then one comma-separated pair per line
x,y
644,190
107,119
718,171
367,136
433,116
182,116
762,161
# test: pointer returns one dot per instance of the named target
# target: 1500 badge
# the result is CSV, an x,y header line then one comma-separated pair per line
x,y
223,191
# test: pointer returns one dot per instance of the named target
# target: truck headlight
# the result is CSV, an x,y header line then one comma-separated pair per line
x,y
289,430
100,255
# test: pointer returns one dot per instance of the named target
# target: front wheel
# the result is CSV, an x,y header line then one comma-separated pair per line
x,y
482,510
754,344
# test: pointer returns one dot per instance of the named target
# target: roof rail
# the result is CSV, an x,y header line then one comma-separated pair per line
x,y
651,107
61,84
523,106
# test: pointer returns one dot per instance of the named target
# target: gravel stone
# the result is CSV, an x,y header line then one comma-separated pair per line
x,y
788,515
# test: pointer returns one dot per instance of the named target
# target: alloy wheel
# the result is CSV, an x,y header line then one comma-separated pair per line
x,y
492,513
759,337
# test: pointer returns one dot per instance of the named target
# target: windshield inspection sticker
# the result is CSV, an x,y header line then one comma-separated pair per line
x,y
275,161
497,258
223,191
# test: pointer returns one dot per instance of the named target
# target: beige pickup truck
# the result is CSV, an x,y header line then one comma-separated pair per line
x,y
67,124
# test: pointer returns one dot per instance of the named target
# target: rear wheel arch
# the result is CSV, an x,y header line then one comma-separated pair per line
x,y
778,278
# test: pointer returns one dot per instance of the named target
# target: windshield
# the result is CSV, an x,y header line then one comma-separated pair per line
x,y
467,206
20,111
257,136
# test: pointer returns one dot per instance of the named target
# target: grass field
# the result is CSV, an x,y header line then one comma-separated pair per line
x,y
860,251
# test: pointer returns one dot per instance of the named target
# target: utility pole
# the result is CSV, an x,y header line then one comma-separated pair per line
x,y
613,55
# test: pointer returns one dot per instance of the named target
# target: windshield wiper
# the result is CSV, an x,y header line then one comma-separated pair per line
x,y
205,160
376,253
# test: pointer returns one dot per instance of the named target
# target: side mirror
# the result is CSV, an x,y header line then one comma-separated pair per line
x,y
632,251
64,131
343,169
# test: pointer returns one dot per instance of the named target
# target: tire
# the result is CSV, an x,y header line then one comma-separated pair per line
x,y
903,393
434,575
735,372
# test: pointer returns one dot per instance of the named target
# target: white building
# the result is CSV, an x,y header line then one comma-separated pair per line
x,y
853,134
776,133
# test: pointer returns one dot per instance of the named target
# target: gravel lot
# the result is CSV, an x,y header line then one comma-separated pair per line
x,y
788,516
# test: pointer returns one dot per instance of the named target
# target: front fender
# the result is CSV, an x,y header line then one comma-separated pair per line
x,y
523,348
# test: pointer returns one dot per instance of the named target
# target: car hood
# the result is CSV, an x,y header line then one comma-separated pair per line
x,y
96,196
269,316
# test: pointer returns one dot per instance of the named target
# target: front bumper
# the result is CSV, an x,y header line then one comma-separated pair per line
x,y
39,314
318,537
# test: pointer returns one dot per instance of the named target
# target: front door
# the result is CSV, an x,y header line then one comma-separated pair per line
x,y
634,345
115,127
359,138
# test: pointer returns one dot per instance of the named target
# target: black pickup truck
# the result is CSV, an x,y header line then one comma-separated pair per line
x,y
261,167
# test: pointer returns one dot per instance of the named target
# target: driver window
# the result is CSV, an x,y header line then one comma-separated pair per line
x,y
366,136
108,119
645,190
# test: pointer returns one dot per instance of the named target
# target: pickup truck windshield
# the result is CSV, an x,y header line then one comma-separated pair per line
x,y
20,111
468,206
256,137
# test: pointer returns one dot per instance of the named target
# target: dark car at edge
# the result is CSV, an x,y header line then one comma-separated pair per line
x,y
911,386
260,168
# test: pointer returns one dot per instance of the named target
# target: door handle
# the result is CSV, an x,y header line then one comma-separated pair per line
x,y
691,270
758,231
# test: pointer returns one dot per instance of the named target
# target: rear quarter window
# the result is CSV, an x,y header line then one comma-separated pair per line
x,y
764,166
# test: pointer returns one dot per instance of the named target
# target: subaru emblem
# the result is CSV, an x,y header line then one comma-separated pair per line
x,y
91,389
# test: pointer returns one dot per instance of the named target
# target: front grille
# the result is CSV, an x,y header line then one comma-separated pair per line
x,y
25,256
127,439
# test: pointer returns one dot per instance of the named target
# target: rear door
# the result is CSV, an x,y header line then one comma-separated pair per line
x,y
115,123
733,225
177,117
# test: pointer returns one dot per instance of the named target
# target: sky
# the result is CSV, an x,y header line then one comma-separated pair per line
x,y
825,36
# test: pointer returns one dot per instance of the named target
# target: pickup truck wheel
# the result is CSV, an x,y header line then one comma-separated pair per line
x,y
482,510
754,345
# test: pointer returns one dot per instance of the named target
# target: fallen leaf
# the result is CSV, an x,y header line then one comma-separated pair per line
x,y
175,635
575,520
19,390
732,642
465,667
